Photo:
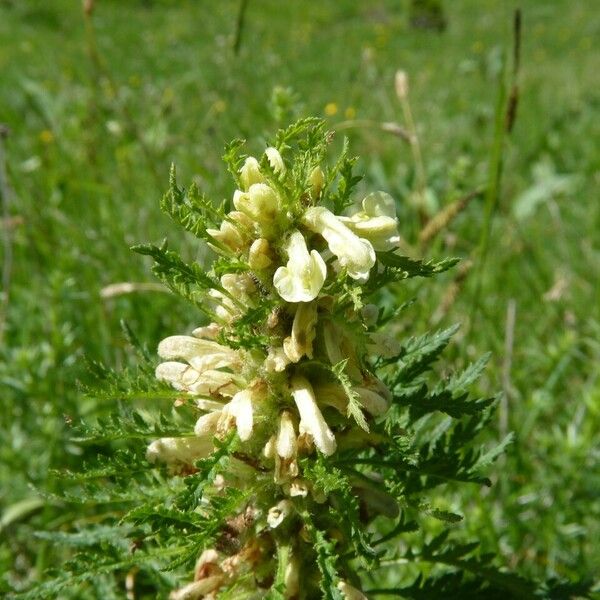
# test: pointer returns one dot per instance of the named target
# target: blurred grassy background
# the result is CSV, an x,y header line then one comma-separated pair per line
x,y
97,111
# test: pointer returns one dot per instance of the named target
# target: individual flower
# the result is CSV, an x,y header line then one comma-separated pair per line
x,y
300,343
355,254
207,383
376,222
275,160
316,179
259,255
241,412
184,450
286,444
239,291
276,360
233,231
311,419
260,203
201,354
302,278
250,173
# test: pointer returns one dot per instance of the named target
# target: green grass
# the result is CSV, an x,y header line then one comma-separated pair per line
x,y
96,119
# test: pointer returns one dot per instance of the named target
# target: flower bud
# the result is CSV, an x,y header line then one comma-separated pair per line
x,y
286,444
354,253
250,173
291,578
260,203
317,181
349,592
372,402
311,419
259,254
207,332
302,278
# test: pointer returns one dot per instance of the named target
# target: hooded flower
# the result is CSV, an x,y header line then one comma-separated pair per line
x,y
286,444
250,173
208,383
376,222
259,256
184,450
275,160
233,231
354,253
202,355
239,287
240,411
302,278
300,343
260,203
311,419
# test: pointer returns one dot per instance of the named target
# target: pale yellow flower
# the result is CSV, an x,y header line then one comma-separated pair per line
x,y
275,160
354,253
302,278
311,419
239,410
184,450
259,255
260,203
376,221
184,377
300,343
250,173
202,355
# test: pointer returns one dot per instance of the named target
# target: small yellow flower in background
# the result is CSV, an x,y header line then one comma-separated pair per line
x,y
46,136
350,112
219,106
331,109
477,47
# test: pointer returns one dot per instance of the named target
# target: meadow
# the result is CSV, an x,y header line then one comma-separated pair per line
x,y
98,107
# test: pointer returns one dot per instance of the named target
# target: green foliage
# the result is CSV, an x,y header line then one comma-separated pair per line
x,y
86,155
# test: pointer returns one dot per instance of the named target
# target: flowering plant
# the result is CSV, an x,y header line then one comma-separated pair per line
x,y
304,439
